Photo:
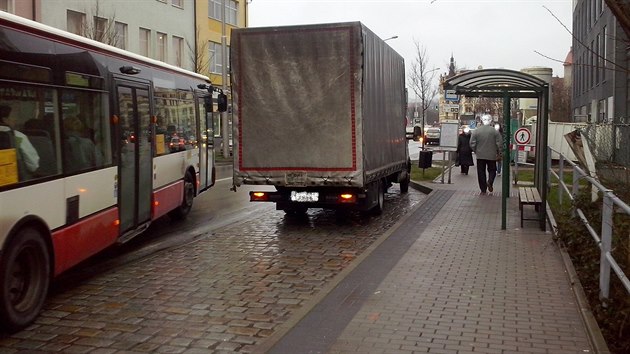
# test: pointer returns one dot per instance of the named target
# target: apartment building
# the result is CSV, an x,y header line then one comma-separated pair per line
x,y
599,62
185,33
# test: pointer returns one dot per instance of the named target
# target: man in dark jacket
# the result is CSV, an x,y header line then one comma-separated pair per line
x,y
486,143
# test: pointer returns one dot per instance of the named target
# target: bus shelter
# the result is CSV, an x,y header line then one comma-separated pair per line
x,y
508,84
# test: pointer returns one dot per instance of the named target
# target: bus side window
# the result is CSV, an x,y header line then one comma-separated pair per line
x,y
41,134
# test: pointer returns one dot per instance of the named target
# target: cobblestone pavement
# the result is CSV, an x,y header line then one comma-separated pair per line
x,y
226,292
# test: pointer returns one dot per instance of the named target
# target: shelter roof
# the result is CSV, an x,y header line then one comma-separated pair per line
x,y
495,82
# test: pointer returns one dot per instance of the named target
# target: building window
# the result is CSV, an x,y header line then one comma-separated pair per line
x,y
178,49
598,60
216,61
602,115
120,40
6,5
75,22
100,29
605,50
216,64
161,46
591,65
145,34
178,3
231,11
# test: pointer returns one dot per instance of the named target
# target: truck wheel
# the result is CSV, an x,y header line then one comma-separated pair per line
x,y
404,184
24,279
182,211
378,208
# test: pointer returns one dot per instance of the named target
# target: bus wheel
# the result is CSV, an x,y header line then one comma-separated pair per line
x,y
182,211
24,279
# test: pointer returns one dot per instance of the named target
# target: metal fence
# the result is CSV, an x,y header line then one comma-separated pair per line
x,y
609,143
610,204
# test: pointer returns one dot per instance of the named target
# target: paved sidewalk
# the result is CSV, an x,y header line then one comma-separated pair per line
x,y
461,285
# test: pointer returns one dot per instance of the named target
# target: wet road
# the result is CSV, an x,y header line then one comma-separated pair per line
x,y
222,281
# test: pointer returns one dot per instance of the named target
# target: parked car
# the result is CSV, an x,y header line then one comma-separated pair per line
x,y
432,136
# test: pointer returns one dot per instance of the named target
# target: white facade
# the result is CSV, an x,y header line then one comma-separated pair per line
x,y
169,25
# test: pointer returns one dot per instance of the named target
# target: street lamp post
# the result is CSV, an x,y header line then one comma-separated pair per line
x,y
224,123
387,39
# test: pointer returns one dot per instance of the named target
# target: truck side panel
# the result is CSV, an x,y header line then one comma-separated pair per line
x,y
297,104
384,143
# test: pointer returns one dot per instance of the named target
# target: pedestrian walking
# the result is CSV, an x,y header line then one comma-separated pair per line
x,y
485,142
498,128
464,157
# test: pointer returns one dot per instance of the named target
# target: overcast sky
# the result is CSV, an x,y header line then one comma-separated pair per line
x,y
487,33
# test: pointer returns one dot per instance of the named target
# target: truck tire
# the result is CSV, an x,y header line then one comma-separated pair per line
x,y
404,184
182,211
25,274
380,199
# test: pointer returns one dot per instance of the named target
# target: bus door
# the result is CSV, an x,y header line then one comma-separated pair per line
x,y
135,156
206,155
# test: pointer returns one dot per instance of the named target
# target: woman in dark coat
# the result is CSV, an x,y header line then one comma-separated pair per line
x,y
464,152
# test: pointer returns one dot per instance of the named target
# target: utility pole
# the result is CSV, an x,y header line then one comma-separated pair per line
x,y
225,129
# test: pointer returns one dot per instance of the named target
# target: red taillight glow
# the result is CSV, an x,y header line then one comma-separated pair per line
x,y
347,198
259,196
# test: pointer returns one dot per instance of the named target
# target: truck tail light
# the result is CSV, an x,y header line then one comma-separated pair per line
x,y
258,197
347,198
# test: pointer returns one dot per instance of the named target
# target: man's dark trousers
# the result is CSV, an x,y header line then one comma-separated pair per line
x,y
491,166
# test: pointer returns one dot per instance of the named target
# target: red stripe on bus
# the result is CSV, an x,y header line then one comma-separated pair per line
x,y
87,237
167,198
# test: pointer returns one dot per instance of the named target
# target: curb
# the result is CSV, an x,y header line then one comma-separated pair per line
x,y
420,187
595,336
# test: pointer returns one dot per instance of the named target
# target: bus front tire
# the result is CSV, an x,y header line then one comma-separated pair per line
x,y
182,211
25,273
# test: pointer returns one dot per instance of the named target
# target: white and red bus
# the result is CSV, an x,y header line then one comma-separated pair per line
x,y
95,143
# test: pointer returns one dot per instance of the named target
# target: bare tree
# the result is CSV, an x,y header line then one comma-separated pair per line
x,y
99,27
561,98
197,52
421,80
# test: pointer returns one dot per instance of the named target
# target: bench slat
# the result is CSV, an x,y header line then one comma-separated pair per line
x,y
529,196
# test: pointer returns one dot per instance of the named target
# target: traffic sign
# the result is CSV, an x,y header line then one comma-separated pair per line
x,y
522,136
450,108
450,95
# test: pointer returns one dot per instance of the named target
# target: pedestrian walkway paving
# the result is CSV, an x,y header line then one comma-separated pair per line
x,y
449,280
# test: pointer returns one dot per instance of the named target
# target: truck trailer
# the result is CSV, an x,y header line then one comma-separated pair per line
x,y
319,113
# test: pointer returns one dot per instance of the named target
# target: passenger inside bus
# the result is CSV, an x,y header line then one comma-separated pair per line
x,y
80,151
27,156
41,134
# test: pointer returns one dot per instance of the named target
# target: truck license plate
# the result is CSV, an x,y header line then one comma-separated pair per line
x,y
304,196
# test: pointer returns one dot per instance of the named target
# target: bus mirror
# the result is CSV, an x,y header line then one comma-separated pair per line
x,y
222,102
207,103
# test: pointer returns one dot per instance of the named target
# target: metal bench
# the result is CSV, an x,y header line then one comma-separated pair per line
x,y
529,196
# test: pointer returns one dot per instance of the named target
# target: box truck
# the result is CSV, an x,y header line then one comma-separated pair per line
x,y
319,113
